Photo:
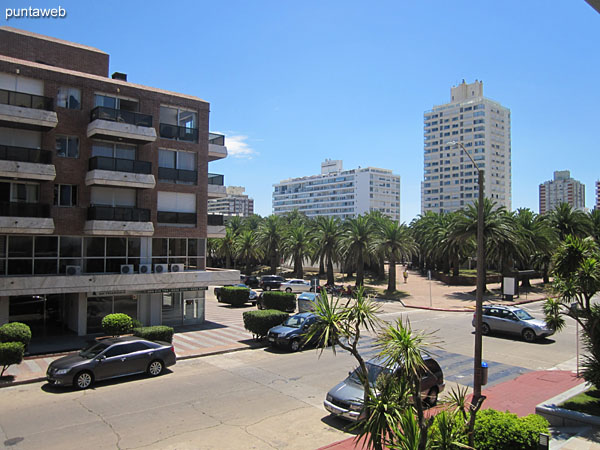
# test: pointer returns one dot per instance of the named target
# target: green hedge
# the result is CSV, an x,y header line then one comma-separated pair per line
x,y
15,332
117,324
156,333
495,430
10,353
282,301
259,322
235,295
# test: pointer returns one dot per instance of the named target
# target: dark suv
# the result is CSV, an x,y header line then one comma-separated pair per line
x,y
268,282
250,280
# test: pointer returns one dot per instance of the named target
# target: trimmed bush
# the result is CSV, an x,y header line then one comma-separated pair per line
x,y
15,332
260,322
156,333
282,301
495,430
117,324
235,295
10,353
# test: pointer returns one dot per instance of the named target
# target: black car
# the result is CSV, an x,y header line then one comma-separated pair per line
x,y
250,280
268,282
111,358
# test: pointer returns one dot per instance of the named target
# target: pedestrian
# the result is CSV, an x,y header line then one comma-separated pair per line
x,y
405,275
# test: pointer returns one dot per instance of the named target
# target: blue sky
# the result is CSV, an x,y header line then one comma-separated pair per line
x,y
293,83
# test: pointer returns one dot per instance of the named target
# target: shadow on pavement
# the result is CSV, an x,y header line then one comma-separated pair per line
x,y
512,337
340,424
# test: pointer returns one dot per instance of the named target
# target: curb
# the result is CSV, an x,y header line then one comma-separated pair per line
x,y
562,417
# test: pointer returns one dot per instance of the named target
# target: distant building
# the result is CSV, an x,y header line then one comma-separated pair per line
x,y
483,127
563,189
235,203
340,193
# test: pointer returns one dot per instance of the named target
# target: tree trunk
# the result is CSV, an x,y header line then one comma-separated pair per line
x,y
248,267
360,268
298,264
545,275
381,269
392,275
321,266
330,278
456,267
228,261
274,263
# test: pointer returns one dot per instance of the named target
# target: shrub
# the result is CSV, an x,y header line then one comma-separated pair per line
x,y
495,430
10,353
282,301
259,322
15,332
117,324
156,333
235,295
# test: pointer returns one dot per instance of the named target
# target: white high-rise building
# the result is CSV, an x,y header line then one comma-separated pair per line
x,y
340,193
483,127
235,203
563,189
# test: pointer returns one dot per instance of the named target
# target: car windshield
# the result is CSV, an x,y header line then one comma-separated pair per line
x,y
522,314
294,321
373,370
93,350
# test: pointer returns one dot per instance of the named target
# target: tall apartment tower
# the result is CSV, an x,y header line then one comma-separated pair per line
x,y
563,189
103,192
340,193
483,127
234,203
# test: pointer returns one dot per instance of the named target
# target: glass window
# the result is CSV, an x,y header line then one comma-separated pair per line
x,y
46,247
105,101
125,151
167,158
168,115
102,149
94,247
69,98
70,247
20,247
67,146
116,246
159,247
186,160
65,195
133,247
177,247
24,193
116,350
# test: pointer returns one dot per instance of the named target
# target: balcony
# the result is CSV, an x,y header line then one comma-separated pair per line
x,y
118,221
168,131
216,188
26,163
216,147
26,111
177,175
105,171
215,226
30,218
176,218
121,125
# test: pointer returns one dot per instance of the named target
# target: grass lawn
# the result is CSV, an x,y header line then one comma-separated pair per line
x,y
587,402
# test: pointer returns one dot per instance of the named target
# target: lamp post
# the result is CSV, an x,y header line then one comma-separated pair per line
x,y
477,371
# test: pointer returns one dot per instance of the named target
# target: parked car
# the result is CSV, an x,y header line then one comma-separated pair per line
x,y
346,398
252,295
295,285
307,300
250,280
268,282
110,358
291,334
513,320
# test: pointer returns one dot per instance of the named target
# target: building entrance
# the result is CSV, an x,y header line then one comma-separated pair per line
x,y
46,315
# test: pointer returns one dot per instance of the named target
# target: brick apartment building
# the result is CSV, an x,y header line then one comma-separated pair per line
x,y
103,192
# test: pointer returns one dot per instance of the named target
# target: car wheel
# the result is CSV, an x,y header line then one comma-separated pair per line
x,y
432,397
267,288
529,335
485,329
295,345
83,380
155,368
288,290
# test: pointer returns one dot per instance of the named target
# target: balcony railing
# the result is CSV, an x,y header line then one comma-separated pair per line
x,y
118,213
216,139
26,100
182,175
215,220
176,217
120,165
15,209
216,179
180,133
22,154
121,115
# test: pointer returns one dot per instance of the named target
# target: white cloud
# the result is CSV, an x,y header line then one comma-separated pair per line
x,y
238,147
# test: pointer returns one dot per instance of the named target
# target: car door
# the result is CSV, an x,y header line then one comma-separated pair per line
x,y
491,316
112,362
138,357
506,324
513,324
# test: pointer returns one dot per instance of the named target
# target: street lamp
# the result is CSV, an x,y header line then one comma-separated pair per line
x,y
477,371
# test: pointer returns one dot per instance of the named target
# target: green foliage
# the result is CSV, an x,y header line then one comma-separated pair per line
x,y
495,430
448,430
235,295
10,353
282,301
155,333
117,324
260,322
15,332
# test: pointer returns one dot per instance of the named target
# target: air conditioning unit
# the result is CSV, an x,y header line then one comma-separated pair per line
x,y
73,270
126,268
145,268
177,267
161,268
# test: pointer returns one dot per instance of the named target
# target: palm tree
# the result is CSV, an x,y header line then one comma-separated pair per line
x,y
296,245
246,249
379,221
251,222
212,246
595,221
540,240
235,224
269,237
227,247
325,238
567,220
357,244
395,243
